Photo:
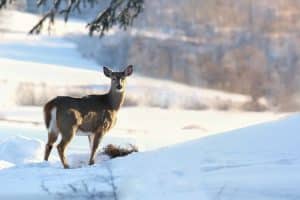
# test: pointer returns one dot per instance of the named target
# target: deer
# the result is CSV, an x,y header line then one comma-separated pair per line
x,y
92,116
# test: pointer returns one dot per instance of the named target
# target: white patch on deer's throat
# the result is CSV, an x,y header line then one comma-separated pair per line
x,y
53,123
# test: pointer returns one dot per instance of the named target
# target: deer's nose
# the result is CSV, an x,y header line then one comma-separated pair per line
x,y
119,87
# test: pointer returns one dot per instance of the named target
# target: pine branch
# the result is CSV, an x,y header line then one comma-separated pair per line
x,y
38,27
66,11
3,3
119,12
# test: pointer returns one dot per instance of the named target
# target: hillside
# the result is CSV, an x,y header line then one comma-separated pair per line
x,y
212,44
58,68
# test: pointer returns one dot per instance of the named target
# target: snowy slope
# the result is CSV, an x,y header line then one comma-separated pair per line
x,y
257,162
56,63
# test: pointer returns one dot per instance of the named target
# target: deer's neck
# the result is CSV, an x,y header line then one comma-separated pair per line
x,y
116,99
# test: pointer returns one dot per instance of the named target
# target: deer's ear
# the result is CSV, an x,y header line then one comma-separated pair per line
x,y
107,72
128,71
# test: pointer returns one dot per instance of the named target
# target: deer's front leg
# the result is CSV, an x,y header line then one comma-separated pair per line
x,y
91,141
96,141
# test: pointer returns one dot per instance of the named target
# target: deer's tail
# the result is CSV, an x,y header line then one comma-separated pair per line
x,y
47,111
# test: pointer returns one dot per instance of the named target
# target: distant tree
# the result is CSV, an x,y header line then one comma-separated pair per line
x,y
247,71
118,12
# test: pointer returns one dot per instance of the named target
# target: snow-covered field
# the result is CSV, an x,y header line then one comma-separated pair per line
x,y
256,162
184,154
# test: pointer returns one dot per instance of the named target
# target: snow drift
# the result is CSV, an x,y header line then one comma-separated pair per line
x,y
21,150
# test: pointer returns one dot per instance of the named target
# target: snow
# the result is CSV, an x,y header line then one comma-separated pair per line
x,y
256,162
21,150
184,154
5,164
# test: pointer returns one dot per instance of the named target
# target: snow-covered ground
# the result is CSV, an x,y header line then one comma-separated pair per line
x,y
256,162
184,154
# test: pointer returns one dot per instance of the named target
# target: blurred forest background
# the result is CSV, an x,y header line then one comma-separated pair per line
x,y
246,46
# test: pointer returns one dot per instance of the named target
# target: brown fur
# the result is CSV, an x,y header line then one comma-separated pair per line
x,y
115,151
96,114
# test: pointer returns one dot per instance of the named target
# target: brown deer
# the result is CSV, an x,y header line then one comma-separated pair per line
x,y
92,115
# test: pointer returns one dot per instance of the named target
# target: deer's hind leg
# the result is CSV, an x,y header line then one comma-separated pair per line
x,y
52,134
52,137
66,138
68,127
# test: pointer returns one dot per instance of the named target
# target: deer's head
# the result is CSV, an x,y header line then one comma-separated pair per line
x,y
118,79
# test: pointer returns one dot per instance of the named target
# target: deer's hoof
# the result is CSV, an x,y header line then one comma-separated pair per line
x,y
66,166
92,162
